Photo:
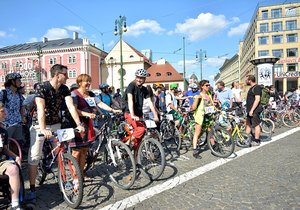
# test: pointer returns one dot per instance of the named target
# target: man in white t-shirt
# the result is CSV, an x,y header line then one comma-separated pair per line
x,y
171,103
236,95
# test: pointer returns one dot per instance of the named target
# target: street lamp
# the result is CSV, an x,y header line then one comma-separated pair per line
x,y
39,54
200,59
119,24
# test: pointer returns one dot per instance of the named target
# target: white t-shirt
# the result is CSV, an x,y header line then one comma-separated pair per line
x,y
146,107
171,99
236,93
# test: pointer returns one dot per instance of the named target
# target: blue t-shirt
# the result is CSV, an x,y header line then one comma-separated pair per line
x,y
191,93
105,98
162,105
224,96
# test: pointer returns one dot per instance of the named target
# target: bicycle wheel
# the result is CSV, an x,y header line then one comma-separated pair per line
x,y
120,164
70,180
151,158
220,142
41,173
170,135
13,145
291,119
241,137
267,125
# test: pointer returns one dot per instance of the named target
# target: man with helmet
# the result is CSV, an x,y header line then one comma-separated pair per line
x,y
192,92
13,101
105,97
134,96
171,103
160,103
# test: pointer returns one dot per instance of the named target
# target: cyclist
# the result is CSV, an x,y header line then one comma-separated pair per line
x,y
134,96
203,106
9,167
13,101
224,95
105,96
50,96
191,93
157,91
172,104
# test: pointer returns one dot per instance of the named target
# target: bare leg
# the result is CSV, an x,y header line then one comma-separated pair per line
x,y
14,180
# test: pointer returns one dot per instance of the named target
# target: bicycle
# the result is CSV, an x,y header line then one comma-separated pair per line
x,y
70,178
148,153
118,158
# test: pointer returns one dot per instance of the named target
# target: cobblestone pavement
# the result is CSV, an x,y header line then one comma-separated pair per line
x,y
267,178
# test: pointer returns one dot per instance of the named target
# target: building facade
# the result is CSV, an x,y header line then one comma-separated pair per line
x,y
229,71
34,60
274,31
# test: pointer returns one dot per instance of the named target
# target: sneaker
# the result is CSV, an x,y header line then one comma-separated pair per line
x,y
255,143
248,140
196,153
18,207
30,197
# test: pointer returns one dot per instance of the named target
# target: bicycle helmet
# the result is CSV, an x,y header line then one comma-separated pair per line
x,y
173,86
13,76
193,86
103,86
141,73
157,85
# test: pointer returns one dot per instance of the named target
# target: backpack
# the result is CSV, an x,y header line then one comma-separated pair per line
x,y
265,96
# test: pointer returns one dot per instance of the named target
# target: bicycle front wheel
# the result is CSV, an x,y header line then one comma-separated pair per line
x,y
151,158
120,164
291,119
220,142
70,180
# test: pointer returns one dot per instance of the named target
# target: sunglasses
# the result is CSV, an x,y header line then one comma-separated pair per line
x,y
207,85
64,73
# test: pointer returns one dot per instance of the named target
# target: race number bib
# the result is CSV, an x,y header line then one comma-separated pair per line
x,y
91,101
209,110
65,134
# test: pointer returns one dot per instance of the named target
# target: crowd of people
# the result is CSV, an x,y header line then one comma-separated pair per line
x,y
52,106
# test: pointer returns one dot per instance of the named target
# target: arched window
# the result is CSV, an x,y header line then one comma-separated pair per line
x,y
72,73
169,74
2,78
52,61
72,59
17,64
158,74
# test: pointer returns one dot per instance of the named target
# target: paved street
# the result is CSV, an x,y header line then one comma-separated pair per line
x,y
265,178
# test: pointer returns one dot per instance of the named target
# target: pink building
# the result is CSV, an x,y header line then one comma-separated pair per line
x,y
30,58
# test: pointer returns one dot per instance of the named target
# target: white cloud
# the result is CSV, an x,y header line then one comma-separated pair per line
x,y
144,26
215,62
235,19
188,63
111,43
3,34
56,33
75,28
206,24
32,39
238,30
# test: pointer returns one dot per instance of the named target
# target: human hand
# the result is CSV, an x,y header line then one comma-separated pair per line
x,y
251,113
47,133
92,115
117,111
18,160
80,128
136,118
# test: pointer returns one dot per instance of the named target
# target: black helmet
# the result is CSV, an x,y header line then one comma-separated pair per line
x,y
13,76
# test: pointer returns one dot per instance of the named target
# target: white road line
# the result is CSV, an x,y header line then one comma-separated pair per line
x,y
148,193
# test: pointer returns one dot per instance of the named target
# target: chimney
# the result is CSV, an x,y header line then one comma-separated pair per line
x,y
75,35
45,39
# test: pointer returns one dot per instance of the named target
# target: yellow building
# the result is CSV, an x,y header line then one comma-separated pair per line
x,y
274,31
229,71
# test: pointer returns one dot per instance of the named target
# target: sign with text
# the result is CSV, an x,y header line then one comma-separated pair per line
x,y
265,74
290,74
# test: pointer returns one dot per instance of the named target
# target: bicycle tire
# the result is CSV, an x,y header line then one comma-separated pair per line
x,y
291,123
41,174
224,144
68,161
169,134
11,142
125,159
240,139
267,125
148,152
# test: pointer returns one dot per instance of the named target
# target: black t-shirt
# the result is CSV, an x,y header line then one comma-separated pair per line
x,y
138,96
253,91
53,100
4,139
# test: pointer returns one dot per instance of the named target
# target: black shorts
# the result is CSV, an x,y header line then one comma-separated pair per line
x,y
254,120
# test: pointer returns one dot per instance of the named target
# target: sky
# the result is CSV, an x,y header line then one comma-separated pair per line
x,y
214,26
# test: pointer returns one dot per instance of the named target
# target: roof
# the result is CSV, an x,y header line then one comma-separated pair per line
x,y
193,76
163,73
139,53
50,44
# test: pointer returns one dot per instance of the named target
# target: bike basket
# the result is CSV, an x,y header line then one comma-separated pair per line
x,y
169,116
150,124
65,134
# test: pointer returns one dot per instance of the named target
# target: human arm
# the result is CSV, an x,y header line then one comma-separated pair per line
x,y
152,108
11,154
196,102
73,111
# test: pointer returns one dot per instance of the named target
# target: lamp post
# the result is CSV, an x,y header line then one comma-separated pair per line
x,y
202,53
184,83
39,54
120,26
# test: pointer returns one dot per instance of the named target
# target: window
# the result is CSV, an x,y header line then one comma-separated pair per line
x,y
277,53
276,13
264,27
169,74
131,56
158,74
277,26
263,53
52,61
290,12
4,65
17,64
292,67
276,39
2,78
291,24
291,38
263,40
278,68
72,59
264,14
292,52
72,73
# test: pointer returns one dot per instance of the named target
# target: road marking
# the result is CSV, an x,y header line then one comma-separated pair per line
x,y
148,193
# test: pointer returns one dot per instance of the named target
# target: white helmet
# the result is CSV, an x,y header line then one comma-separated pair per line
x,y
194,86
142,73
